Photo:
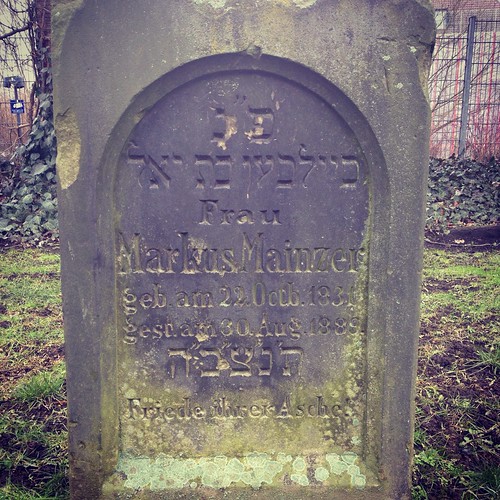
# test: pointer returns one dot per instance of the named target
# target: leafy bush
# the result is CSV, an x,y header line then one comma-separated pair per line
x,y
463,192
28,184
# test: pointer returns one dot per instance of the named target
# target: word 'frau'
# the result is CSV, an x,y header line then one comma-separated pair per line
x,y
194,256
212,213
223,171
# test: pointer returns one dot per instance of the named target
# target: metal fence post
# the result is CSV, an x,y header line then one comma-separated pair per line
x,y
464,118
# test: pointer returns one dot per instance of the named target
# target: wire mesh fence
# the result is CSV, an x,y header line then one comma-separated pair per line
x,y
465,92
15,126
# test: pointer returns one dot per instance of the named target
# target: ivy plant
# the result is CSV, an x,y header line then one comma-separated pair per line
x,y
29,205
462,192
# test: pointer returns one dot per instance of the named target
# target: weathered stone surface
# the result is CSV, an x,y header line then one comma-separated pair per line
x,y
241,201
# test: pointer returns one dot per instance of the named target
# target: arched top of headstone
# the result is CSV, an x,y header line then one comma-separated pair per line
x,y
226,84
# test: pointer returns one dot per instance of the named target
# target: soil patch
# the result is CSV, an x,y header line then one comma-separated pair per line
x,y
466,239
457,402
35,360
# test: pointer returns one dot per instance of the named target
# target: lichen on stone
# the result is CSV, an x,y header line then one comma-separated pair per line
x,y
214,472
254,470
300,479
299,464
321,474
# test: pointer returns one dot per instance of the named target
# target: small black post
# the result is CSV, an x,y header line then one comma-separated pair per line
x,y
18,116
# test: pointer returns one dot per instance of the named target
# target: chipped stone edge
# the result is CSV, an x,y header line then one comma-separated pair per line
x,y
66,124
68,148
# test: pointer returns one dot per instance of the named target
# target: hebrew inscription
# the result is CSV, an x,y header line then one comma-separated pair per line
x,y
242,208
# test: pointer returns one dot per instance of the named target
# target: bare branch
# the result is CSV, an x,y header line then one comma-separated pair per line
x,y
14,32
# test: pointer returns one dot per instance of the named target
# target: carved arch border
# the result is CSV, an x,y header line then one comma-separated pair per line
x,y
377,229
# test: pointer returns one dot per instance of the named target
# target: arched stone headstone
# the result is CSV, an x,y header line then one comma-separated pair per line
x,y
242,192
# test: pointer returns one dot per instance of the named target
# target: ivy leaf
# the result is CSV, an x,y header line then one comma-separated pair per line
x,y
48,205
4,223
39,168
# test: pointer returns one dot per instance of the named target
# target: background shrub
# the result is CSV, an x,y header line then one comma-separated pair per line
x,y
462,192
28,184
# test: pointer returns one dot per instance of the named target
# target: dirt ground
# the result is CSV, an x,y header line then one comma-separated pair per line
x,y
466,239
457,394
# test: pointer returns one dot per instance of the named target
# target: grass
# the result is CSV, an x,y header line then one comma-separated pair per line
x,y
457,430
467,283
41,385
33,436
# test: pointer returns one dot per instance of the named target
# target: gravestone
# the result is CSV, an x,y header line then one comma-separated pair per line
x,y
241,196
